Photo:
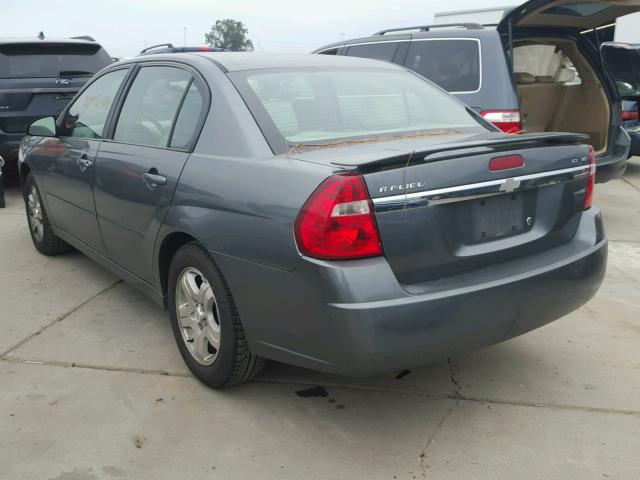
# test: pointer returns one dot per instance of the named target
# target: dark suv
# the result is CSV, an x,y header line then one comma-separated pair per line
x,y
38,77
538,70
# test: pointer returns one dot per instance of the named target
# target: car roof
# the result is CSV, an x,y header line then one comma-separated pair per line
x,y
35,40
438,31
238,61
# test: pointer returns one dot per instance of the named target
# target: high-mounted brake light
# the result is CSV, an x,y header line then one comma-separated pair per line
x,y
337,222
506,120
588,197
506,162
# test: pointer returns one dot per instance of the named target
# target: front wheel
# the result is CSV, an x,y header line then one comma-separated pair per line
x,y
205,321
40,229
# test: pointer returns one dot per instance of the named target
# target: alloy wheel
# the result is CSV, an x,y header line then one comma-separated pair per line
x,y
34,212
198,316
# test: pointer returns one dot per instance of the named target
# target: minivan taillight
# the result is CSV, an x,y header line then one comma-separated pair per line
x,y
588,197
629,115
337,222
506,120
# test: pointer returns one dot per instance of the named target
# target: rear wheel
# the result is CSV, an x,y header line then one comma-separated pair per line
x,y
205,321
40,229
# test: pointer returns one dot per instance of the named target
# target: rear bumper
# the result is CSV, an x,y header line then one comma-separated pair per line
x,y
610,167
354,318
634,134
613,164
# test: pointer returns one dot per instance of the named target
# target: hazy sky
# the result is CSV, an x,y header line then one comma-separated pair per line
x,y
125,27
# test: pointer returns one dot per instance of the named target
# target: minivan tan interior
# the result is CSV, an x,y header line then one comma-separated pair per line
x,y
559,91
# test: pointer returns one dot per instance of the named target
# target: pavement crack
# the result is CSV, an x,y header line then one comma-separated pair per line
x,y
456,393
105,368
632,185
457,397
57,320
424,454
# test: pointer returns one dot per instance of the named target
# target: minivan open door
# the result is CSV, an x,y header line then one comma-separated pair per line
x,y
569,14
562,83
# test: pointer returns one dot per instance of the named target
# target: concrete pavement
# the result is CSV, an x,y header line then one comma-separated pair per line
x,y
92,387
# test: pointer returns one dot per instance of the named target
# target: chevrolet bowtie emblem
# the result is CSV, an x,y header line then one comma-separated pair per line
x,y
510,185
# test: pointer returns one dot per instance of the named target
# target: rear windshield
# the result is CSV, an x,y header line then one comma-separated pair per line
x,y
453,64
31,60
319,105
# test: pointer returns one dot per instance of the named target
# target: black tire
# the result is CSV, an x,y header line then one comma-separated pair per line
x,y
46,241
234,363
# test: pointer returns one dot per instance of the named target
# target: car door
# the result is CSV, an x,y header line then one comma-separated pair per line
x,y
137,169
68,180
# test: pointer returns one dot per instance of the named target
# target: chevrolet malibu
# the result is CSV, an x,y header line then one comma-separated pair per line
x,y
336,213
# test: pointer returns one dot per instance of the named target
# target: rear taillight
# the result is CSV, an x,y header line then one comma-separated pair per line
x,y
506,120
588,197
629,116
337,222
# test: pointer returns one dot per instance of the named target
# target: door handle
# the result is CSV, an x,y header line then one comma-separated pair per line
x,y
84,163
152,179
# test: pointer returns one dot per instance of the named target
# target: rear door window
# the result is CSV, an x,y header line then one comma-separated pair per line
x,y
186,128
377,51
87,116
35,60
150,109
453,64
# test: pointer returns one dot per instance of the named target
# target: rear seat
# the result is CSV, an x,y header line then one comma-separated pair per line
x,y
539,98
283,115
358,113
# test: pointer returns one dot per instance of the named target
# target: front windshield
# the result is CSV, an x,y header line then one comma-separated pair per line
x,y
325,106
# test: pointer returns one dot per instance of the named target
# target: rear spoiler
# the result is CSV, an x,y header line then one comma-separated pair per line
x,y
467,148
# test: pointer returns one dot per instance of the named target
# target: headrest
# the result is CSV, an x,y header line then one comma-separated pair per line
x,y
524,78
545,79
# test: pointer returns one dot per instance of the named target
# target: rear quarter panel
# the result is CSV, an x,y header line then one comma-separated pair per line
x,y
234,195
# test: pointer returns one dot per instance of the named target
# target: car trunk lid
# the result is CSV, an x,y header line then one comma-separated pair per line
x,y
442,210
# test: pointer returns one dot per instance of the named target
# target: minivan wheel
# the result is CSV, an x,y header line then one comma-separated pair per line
x,y
40,229
205,321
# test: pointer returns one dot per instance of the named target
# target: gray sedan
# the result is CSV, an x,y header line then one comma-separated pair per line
x,y
335,213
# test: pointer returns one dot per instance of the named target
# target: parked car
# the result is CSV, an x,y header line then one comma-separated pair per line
x,y
335,213
623,62
38,77
169,48
558,81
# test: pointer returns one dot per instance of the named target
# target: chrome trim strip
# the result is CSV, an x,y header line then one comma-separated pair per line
x,y
337,47
72,90
471,191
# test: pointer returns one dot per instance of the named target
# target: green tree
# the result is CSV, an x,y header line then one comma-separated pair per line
x,y
230,34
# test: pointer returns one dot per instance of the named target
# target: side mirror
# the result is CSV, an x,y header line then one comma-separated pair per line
x,y
44,127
